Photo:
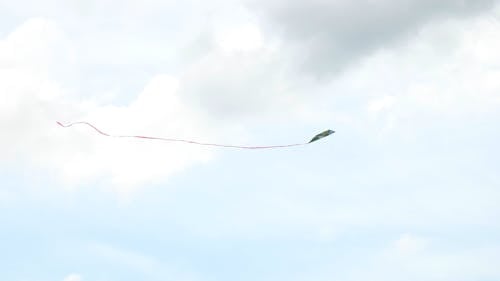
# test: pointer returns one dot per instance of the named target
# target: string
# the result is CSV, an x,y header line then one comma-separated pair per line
x,y
178,140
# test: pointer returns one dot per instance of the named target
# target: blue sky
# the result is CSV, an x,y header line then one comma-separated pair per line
x,y
407,188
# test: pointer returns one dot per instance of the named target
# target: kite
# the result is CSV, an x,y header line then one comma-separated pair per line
x,y
315,138
321,135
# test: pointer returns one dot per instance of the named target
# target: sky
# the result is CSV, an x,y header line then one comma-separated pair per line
x,y
406,189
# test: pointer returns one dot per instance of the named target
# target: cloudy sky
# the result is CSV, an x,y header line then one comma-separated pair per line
x,y
407,188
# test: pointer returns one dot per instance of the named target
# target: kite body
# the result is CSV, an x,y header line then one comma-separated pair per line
x,y
322,135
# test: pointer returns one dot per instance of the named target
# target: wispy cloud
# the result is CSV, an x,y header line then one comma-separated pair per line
x,y
73,277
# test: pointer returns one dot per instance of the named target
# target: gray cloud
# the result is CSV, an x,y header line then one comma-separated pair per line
x,y
229,86
328,36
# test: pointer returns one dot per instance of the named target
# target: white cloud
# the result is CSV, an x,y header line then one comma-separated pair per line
x,y
125,257
157,111
73,277
34,59
380,104
243,79
465,79
449,69
33,100
206,101
415,257
241,38
408,244
33,45
145,264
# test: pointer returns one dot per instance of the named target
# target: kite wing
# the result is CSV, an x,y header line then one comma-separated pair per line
x,y
322,135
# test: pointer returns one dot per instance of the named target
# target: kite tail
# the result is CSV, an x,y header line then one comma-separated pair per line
x,y
180,140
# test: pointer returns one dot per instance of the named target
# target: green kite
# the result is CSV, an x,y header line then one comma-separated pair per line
x,y
322,135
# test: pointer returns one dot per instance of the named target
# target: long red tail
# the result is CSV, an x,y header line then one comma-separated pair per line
x,y
178,140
